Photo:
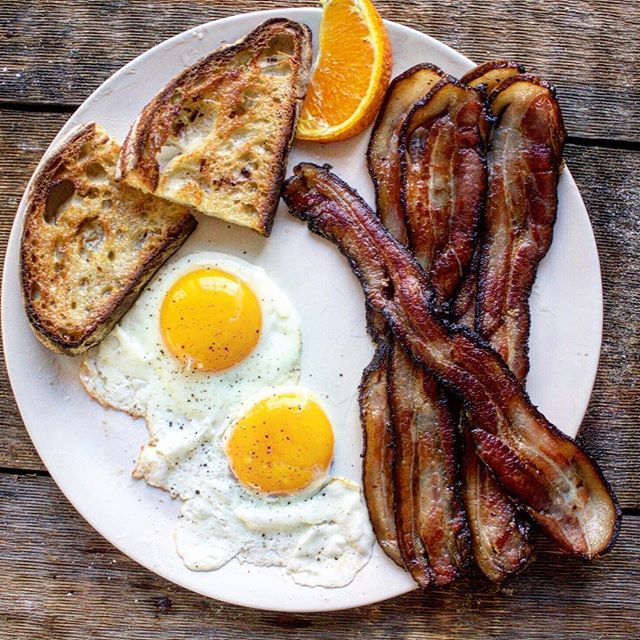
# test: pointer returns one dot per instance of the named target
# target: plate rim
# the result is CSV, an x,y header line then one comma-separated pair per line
x,y
16,231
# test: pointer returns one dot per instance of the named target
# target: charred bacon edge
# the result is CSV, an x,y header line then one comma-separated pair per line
x,y
366,226
413,550
376,134
377,475
482,76
484,268
414,120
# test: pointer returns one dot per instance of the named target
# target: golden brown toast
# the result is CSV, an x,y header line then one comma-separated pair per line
x,y
217,137
90,244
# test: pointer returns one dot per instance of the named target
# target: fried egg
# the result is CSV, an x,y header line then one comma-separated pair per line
x,y
209,356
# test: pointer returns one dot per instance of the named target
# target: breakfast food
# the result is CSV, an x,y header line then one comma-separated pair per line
x,y
524,165
383,152
350,75
209,356
378,454
432,530
217,137
442,155
426,159
89,243
561,488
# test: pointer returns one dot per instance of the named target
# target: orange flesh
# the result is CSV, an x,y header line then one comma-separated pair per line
x,y
342,74
351,74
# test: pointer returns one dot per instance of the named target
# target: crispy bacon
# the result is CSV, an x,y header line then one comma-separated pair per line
x,y
431,525
432,529
444,181
524,165
498,531
486,77
547,472
378,453
382,154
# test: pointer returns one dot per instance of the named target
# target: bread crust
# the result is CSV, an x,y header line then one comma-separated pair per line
x,y
138,163
47,327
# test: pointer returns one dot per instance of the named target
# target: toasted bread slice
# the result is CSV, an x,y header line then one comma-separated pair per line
x,y
217,137
90,244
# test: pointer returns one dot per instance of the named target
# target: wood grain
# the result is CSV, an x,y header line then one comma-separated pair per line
x,y
62,581
59,51
73,584
610,184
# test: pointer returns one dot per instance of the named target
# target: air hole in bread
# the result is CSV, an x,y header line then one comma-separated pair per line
x,y
111,255
141,239
36,294
282,45
74,304
59,195
96,172
242,58
107,290
281,69
166,154
107,204
90,234
57,267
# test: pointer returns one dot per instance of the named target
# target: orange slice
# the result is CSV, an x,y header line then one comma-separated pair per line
x,y
351,73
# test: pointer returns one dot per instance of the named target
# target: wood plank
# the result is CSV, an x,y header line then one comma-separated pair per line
x,y
58,51
24,137
57,571
611,188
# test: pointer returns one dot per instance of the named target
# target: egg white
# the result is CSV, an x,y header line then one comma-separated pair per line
x,y
133,371
322,535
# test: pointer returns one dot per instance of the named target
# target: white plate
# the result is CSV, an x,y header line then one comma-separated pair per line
x,y
90,451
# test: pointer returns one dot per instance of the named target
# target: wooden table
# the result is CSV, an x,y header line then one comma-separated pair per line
x,y
60,579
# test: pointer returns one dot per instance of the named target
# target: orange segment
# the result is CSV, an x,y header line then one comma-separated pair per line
x,y
351,74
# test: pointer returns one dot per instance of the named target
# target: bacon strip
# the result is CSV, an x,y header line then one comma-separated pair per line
x,y
498,531
383,157
432,528
444,181
524,165
547,472
430,521
384,168
378,453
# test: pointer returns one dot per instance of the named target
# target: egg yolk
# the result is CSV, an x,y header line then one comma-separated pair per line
x,y
210,319
282,444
